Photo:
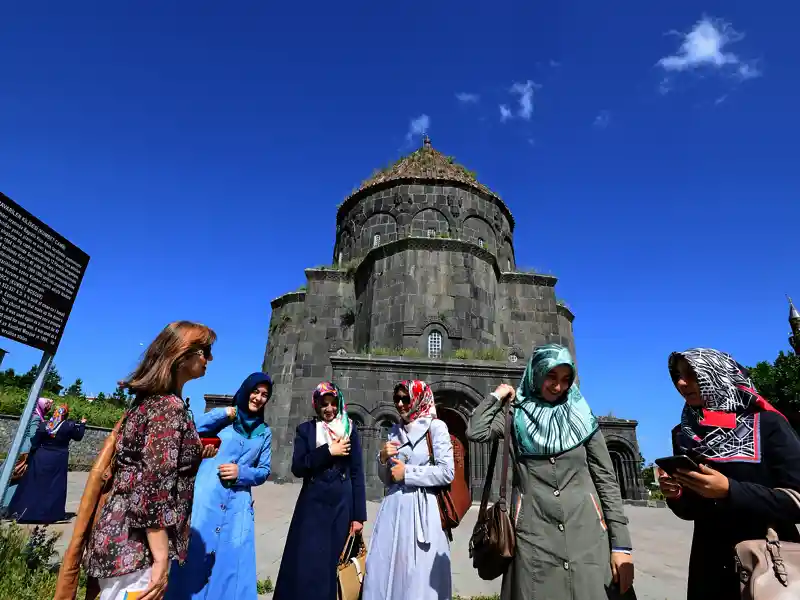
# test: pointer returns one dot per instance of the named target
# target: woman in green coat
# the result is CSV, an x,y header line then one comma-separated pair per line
x,y
571,531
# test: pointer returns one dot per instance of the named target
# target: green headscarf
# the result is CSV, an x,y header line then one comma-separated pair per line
x,y
547,428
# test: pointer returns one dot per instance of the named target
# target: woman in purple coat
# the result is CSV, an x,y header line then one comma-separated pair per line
x,y
332,502
42,494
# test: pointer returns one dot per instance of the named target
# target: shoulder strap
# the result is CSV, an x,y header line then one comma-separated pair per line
x,y
487,486
432,459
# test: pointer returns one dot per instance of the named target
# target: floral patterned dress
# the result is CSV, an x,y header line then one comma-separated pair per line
x,y
158,454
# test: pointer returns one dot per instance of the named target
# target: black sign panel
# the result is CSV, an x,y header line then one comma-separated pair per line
x,y
40,273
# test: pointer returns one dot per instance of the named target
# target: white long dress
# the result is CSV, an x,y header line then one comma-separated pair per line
x,y
409,555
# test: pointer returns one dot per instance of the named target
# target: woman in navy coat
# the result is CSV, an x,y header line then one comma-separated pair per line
x,y
42,494
331,504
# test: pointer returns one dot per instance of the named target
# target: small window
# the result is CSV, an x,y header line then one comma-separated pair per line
x,y
376,240
481,243
435,345
509,264
431,232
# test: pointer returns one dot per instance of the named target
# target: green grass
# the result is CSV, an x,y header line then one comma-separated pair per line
x,y
98,414
407,352
496,354
264,586
27,571
493,597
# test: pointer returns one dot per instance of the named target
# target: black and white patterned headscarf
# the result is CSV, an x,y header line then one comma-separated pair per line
x,y
725,428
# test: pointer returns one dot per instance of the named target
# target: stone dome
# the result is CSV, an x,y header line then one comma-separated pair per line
x,y
426,164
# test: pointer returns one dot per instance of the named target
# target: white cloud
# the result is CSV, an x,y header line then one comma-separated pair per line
x,y
707,46
602,119
418,126
524,93
468,98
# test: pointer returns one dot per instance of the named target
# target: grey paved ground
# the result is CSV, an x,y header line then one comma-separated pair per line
x,y
661,542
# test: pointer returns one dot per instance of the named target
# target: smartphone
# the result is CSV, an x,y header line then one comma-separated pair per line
x,y
670,464
133,595
211,441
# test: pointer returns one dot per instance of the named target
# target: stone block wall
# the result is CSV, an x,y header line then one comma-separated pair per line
x,y
410,209
81,454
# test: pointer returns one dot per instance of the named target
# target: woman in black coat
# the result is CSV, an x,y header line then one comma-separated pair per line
x,y
42,494
746,449
331,504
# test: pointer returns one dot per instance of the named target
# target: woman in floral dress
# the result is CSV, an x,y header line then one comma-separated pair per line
x,y
145,521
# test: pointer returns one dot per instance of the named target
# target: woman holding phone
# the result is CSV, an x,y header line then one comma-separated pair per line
x,y
744,449
222,556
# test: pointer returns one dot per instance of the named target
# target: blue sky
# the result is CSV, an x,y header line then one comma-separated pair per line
x,y
197,151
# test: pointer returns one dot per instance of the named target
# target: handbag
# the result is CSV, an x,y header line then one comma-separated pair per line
x,y
769,569
352,568
493,540
448,513
20,468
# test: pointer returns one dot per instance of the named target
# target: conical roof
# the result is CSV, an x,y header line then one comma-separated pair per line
x,y
793,313
426,164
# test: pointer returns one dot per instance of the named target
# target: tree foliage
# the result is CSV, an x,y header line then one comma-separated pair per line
x,y
76,389
779,382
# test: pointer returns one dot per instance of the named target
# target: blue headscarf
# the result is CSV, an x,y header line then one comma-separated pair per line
x,y
248,424
545,428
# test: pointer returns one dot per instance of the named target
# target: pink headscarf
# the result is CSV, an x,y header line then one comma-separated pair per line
x,y
421,395
42,406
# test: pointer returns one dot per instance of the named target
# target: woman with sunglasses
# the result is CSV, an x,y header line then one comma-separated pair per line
x,y
222,554
332,503
409,553
145,522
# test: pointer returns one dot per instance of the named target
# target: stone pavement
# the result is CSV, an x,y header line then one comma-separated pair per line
x,y
661,542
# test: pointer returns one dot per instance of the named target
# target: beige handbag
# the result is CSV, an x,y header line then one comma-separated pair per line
x,y
769,569
352,568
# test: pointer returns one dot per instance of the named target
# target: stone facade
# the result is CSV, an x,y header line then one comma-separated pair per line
x,y
424,285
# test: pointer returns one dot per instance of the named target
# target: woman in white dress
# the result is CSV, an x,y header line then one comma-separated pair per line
x,y
409,553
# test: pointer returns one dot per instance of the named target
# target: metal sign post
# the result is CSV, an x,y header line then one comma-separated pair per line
x,y
24,421
40,273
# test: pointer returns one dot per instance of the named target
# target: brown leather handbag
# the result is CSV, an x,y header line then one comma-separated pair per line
x,y
769,569
448,513
95,493
20,468
493,541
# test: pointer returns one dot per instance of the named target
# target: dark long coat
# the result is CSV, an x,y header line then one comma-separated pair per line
x,y
42,494
751,507
332,496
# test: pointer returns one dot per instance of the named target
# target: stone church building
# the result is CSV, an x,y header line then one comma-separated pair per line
x,y
424,284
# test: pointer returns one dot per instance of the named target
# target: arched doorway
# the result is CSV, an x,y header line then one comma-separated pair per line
x,y
460,488
619,470
626,468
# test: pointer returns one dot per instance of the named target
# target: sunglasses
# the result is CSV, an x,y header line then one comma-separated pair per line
x,y
403,399
205,351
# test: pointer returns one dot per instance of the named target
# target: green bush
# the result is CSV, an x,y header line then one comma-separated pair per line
x,y
26,568
495,354
100,413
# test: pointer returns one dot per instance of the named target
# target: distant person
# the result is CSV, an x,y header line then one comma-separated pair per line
x,y
572,537
42,494
43,406
332,502
409,552
221,561
745,449
144,524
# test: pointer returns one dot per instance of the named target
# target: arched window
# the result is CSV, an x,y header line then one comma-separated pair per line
x,y
431,232
357,421
376,240
481,243
509,264
434,345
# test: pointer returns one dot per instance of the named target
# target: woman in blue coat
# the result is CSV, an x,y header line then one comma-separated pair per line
x,y
222,556
331,504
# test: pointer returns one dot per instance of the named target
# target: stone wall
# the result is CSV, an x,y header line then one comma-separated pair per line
x,y
402,210
81,454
